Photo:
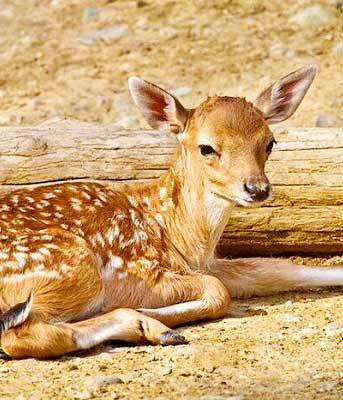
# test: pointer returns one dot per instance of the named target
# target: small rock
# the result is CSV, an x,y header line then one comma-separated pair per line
x,y
312,16
96,382
327,344
89,13
337,3
141,23
109,34
168,32
288,317
83,395
328,387
6,12
326,120
338,48
333,329
106,356
55,3
26,40
306,332
166,371
181,91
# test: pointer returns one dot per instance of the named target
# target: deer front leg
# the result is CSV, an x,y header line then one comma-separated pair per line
x,y
44,340
248,277
189,298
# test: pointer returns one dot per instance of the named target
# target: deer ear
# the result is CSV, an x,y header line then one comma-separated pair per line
x,y
161,109
280,100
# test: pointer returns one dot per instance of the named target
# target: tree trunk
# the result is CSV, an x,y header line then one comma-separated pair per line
x,y
306,170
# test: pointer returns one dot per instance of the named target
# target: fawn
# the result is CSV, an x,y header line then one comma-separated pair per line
x,y
81,264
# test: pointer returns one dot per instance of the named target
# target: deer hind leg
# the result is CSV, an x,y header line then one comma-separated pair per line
x,y
44,340
263,276
189,298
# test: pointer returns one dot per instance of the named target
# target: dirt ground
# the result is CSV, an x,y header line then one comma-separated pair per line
x,y
57,59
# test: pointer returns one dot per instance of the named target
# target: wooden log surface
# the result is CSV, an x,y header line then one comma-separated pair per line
x,y
306,170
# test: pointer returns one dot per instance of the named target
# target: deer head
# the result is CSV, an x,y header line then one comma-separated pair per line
x,y
226,141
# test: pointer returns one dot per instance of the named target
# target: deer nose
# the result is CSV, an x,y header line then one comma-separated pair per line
x,y
257,191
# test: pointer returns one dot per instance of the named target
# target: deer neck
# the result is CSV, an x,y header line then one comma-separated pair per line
x,y
192,217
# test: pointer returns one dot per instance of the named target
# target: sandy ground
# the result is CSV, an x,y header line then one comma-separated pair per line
x,y
54,61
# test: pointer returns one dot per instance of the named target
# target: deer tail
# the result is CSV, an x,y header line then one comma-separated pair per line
x,y
16,315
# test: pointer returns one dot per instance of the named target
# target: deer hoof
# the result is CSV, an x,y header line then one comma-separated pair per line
x,y
172,337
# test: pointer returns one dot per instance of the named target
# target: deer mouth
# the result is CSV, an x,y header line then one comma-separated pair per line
x,y
245,202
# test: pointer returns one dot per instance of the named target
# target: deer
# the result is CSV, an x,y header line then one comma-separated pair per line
x,y
81,263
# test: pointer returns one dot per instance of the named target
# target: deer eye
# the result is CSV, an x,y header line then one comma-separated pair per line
x,y
270,146
206,150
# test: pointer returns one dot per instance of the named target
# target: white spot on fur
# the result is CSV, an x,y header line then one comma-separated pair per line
x,y
22,248
112,234
14,278
64,226
20,258
3,255
44,251
15,199
163,192
51,246
47,238
133,201
97,239
159,218
49,196
111,266
37,256
86,195
146,201
58,215
40,267
65,268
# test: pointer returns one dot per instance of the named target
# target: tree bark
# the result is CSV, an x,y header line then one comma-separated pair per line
x,y
306,170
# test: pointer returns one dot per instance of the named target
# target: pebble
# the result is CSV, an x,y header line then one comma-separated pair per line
x,y
166,371
327,120
181,91
338,48
337,4
82,395
106,356
312,16
55,3
306,332
288,317
168,32
333,329
327,344
89,13
109,34
26,40
97,381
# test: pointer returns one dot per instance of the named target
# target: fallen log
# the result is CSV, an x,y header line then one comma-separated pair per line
x,y
306,169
